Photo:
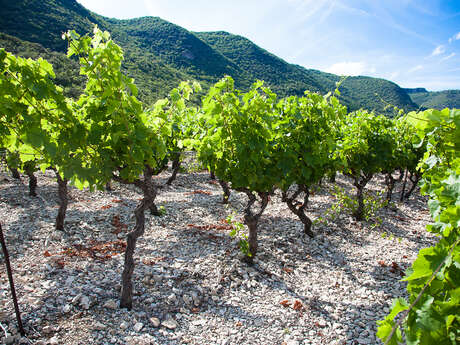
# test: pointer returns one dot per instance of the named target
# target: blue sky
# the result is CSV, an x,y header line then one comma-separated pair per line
x,y
414,43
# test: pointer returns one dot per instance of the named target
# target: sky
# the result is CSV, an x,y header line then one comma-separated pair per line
x,y
415,43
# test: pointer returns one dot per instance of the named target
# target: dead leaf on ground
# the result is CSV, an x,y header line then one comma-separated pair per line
x,y
199,191
285,303
297,305
153,261
96,250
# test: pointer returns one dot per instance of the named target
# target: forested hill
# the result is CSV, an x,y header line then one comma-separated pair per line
x,y
435,99
357,92
159,54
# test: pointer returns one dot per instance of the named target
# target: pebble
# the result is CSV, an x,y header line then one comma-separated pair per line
x,y
99,326
85,302
111,304
54,341
66,308
188,271
138,326
170,324
155,322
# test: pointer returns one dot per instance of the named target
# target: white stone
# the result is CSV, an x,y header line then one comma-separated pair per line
x,y
172,299
53,341
155,321
170,324
85,302
111,304
99,326
138,326
76,299
187,299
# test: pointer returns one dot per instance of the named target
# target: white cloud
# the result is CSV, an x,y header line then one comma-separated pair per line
x,y
455,37
350,68
438,50
416,68
448,57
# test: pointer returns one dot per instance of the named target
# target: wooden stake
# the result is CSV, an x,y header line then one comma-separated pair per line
x,y
10,278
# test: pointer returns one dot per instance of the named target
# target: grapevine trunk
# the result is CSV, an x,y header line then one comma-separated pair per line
x,y
390,182
32,181
299,211
414,178
149,191
175,169
15,173
154,210
226,190
63,201
108,187
403,189
251,219
358,214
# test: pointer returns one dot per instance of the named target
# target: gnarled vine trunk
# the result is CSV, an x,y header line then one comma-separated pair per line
x,y
332,177
32,180
108,187
299,210
154,209
403,189
63,201
149,191
175,169
226,190
251,219
414,179
360,182
390,183
15,173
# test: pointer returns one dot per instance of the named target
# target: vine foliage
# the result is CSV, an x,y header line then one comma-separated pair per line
x,y
432,313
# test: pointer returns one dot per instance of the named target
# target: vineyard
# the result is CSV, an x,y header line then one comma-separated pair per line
x,y
300,233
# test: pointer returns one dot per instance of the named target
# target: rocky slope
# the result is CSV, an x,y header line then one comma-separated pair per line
x,y
190,286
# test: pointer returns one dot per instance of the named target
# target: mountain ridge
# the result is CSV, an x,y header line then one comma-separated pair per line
x,y
158,54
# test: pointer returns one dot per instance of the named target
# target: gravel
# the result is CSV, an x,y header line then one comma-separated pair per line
x,y
190,285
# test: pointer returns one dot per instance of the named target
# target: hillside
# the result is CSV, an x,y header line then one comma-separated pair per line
x,y
284,78
159,54
67,71
435,99
43,22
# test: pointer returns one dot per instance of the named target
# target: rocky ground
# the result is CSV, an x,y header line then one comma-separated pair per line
x,y
190,286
